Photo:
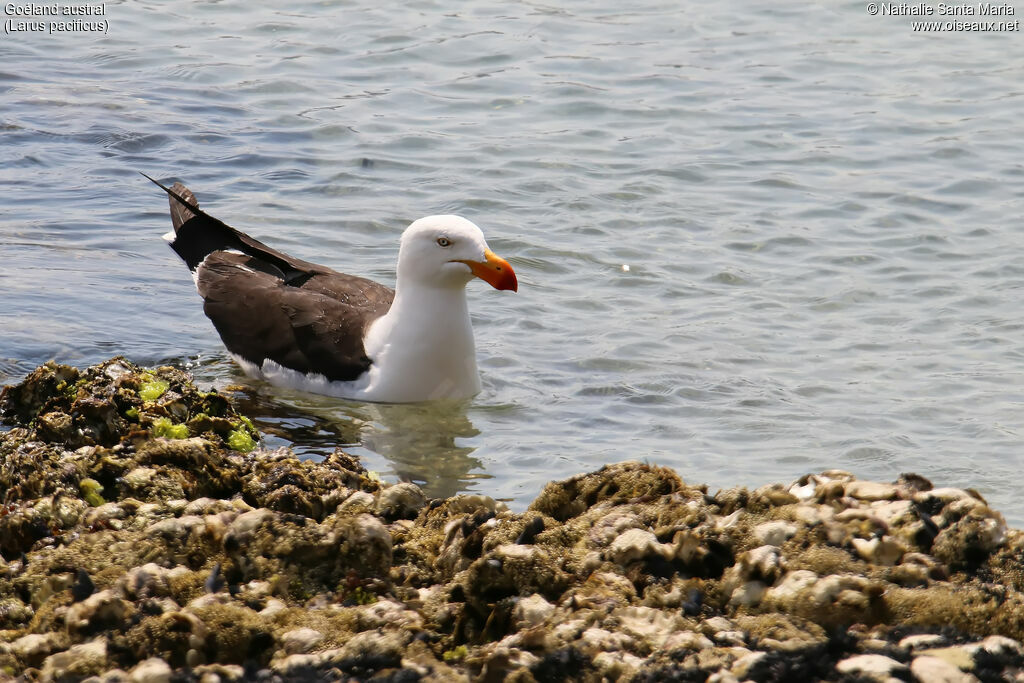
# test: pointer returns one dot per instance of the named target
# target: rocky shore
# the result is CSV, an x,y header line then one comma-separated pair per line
x,y
145,537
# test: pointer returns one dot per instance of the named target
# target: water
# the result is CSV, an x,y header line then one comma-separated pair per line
x,y
751,243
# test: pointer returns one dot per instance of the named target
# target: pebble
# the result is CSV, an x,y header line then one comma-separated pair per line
x,y
301,640
297,664
1001,645
922,641
944,494
152,670
871,490
647,624
139,477
382,644
35,646
774,533
960,656
748,594
176,527
358,501
874,667
215,673
78,660
596,639
533,610
246,524
384,613
687,640
98,609
618,665
885,551
741,667
936,670
273,606
632,545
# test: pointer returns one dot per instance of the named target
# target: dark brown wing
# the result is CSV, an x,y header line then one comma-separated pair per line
x,y
268,305
197,234
315,327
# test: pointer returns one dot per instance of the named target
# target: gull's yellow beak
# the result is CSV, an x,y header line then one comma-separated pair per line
x,y
495,271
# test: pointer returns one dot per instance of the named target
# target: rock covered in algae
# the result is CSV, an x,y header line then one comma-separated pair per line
x,y
137,542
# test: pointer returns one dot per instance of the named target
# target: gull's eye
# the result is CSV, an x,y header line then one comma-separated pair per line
x,y
444,242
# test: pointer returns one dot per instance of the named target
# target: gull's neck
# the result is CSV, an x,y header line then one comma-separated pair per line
x,y
422,348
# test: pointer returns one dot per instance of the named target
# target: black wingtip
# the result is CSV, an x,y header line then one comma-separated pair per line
x,y
150,179
184,202
211,234
157,183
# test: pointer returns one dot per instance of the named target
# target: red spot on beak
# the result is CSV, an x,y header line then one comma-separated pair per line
x,y
495,271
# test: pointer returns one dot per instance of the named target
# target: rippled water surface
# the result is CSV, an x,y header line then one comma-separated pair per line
x,y
750,243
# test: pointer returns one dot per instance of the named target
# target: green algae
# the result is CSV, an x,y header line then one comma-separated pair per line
x,y
352,592
361,596
152,389
163,426
70,389
91,490
240,440
456,654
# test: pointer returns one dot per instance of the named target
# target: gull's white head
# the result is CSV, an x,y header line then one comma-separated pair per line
x,y
448,252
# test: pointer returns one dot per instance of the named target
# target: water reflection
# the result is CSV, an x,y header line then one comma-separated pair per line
x,y
422,443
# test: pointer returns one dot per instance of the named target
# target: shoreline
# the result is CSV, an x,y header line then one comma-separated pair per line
x,y
145,537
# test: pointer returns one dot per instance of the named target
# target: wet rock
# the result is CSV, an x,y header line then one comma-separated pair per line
x,y
359,501
55,426
620,482
137,544
42,387
400,501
